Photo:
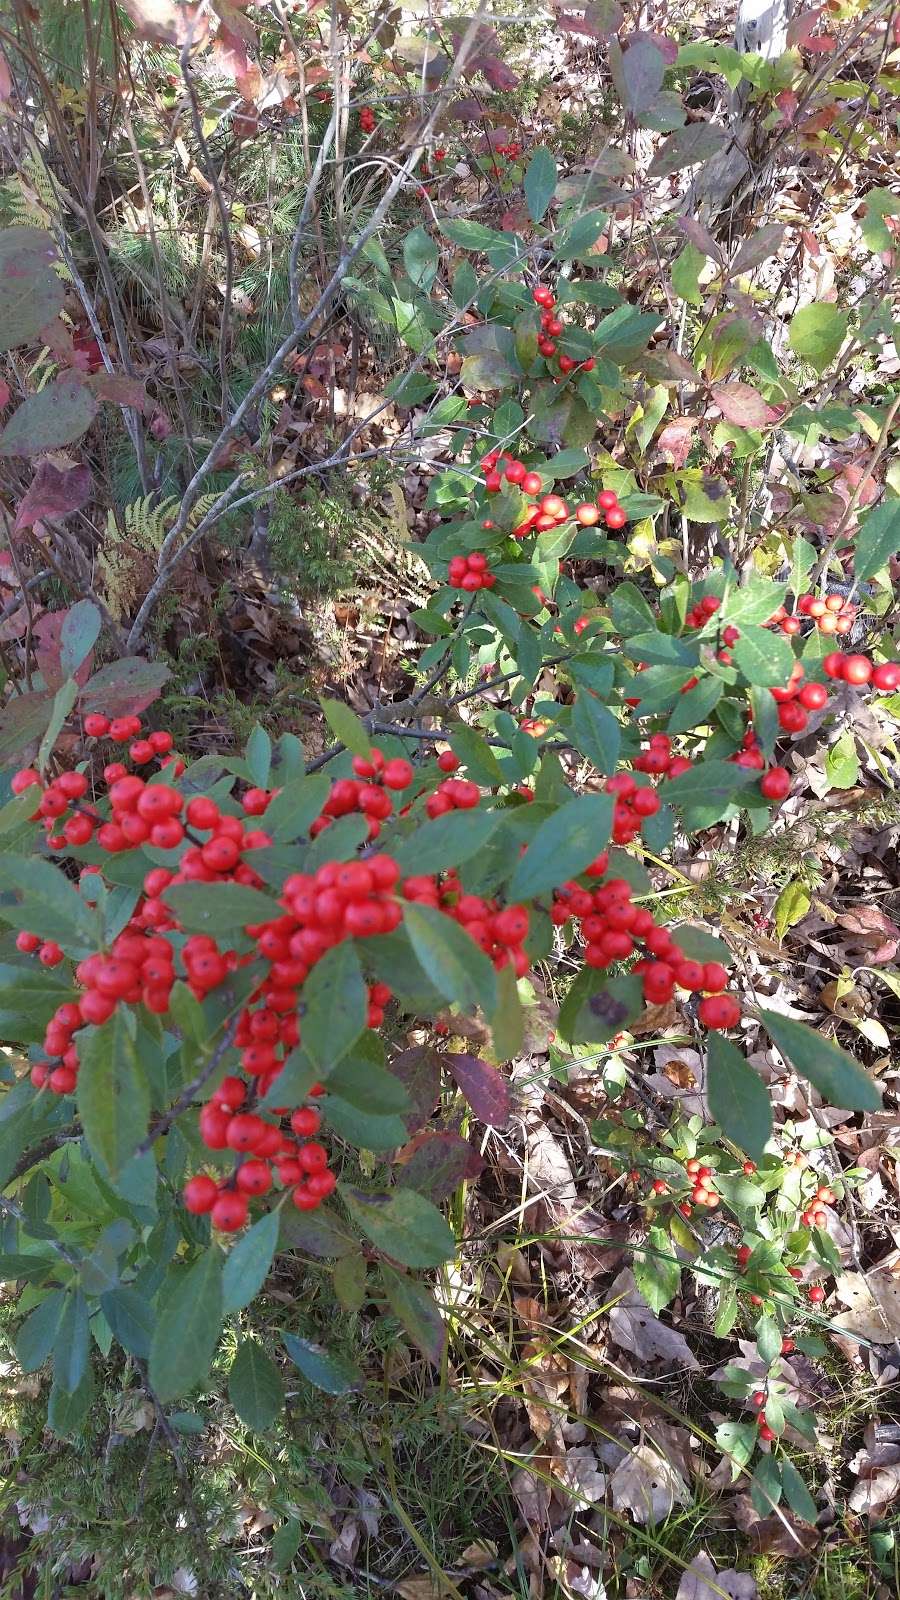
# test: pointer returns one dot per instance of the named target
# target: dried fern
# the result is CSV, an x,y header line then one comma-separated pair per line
x,y
139,530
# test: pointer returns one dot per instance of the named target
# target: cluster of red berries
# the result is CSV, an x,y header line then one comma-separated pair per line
x,y
552,327
471,572
367,120
368,792
607,506
512,150
454,794
859,670
499,931
759,1401
701,612
833,614
612,927
816,1215
658,761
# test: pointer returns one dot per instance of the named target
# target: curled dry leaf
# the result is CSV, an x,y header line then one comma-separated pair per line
x,y
701,1581
647,1485
874,1306
634,1327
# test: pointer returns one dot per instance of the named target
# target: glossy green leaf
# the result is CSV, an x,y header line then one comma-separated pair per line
x,y
254,1386
112,1095
453,962
187,1331
220,908
417,1311
540,182
657,1270
817,332
402,1224
346,726
332,1373
336,1001
840,1080
49,904
565,843
248,1261
738,1098
596,732
877,540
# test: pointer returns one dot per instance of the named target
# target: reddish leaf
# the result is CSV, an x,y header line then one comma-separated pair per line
x,y
23,722
599,20
166,21
482,1085
668,48
761,244
637,73
787,102
5,78
675,439
53,492
436,1163
801,29
49,634
419,1070
741,404
4,393
498,74
125,687
698,235
120,389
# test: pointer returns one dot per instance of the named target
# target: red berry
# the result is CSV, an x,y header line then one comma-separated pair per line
x,y
200,1193
886,676
397,774
25,778
96,726
857,669
50,955
229,1212
765,1432
833,664
719,1011
27,942
775,784
758,1398
254,1177
615,517
816,1293
202,812
813,696
305,1121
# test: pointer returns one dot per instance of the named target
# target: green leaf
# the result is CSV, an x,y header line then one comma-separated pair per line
x,y
254,1386
687,148
336,1002
220,908
877,540
38,1333
471,235
31,290
332,1373
540,182
766,659
637,73
258,756
349,1276
817,332
346,726
596,732
699,944
79,633
624,335
402,1224
840,1079
685,275
57,415
796,1493
453,962
417,1311
753,602
712,782
66,1413
366,1130
63,701
696,705
791,906
565,843
112,1094
50,905
630,611
28,998
320,1233
132,1318
188,1327
247,1264
578,239
880,203
738,1098
765,1485
294,1080
359,1079
286,1543
737,1440
72,1344
841,761
657,1270
420,258
446,841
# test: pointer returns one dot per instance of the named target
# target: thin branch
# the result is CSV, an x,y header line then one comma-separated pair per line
x,y
186,1097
